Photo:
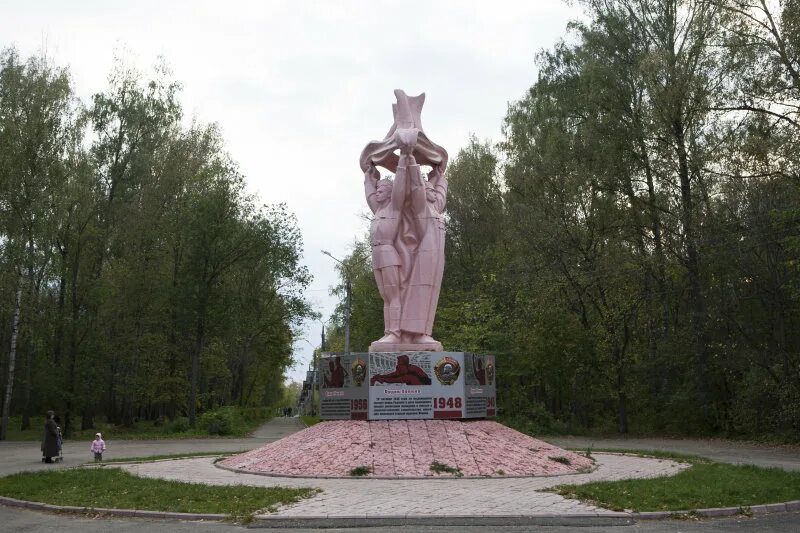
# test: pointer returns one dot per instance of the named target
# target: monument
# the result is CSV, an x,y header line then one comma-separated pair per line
x,y
405,408
407,232
406,375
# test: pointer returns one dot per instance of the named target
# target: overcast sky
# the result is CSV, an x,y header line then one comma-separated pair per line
x,y
299,87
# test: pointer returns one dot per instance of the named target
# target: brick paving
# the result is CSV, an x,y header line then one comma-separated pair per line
x,y
406,449
476,497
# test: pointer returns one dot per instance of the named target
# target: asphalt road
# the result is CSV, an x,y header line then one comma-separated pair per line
x,y
18,456
30,521
725,451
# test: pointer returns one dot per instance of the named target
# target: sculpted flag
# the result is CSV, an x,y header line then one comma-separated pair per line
x,y
406,113
407,231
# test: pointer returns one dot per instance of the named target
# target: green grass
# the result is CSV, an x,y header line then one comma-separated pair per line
x,y
441,468
114,488
659,454
148,458
361,471
309,420
704,485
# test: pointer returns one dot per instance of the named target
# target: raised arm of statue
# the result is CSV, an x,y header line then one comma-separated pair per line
x,y
439,186
417,191
371,177
401,179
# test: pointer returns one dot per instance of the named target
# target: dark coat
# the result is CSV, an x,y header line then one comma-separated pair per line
x,y
50,444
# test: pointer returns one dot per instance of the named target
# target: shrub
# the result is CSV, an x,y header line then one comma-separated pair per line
x,y
178,425
221,421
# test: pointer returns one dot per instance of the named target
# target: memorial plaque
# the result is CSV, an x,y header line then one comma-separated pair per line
x,y
343,388
408,386
480,389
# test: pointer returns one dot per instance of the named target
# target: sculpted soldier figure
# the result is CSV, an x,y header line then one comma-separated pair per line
x,y
386,201
407,233
422,294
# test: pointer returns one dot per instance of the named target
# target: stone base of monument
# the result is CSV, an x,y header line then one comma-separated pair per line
x,y
408,449
405,415
376,346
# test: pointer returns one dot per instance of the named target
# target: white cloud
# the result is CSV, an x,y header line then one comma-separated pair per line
x,y
299,87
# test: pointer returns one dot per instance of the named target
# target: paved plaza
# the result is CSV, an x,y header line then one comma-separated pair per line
x,y
364,498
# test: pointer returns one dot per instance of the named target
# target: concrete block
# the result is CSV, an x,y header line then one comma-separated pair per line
x,y
718,511
793,506
775,507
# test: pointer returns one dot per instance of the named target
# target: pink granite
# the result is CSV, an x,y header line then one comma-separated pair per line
x,y
408,228
406,449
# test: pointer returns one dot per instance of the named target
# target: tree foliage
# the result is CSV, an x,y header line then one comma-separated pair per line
x,y
630,249
152,285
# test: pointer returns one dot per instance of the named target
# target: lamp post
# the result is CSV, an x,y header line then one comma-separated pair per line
x,y
347,307
317,370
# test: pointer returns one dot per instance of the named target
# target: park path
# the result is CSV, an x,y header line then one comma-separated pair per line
x,y
19,456
786,457
426,498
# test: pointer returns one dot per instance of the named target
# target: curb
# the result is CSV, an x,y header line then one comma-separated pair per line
x,y
716,512
315,521
414,520
122,513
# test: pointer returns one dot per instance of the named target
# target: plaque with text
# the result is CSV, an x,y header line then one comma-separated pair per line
x,y
343,387
407,386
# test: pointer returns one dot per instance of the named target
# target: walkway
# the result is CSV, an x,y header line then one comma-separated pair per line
x,y
726,451
420,497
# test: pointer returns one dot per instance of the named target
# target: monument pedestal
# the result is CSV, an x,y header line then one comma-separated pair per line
x,y
377,346
407,385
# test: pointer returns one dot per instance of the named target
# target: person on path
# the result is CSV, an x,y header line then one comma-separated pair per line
x,y
50,440
98,447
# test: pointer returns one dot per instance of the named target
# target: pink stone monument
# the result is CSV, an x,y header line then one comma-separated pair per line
x,y
407,232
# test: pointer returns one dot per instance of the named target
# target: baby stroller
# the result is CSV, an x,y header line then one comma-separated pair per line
x,y
60,442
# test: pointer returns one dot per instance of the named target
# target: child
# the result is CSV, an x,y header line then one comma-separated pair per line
x,y
98,447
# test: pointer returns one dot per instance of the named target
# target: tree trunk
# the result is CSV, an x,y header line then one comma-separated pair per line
x,y
62,297
195,371
692,262
12,356
73,347
26,396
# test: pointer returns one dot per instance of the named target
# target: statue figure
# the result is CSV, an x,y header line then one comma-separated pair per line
x,y
385,200
407,233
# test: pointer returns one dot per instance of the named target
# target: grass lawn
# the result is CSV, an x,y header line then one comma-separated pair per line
x,y
704,485
149,458
309,420
114,488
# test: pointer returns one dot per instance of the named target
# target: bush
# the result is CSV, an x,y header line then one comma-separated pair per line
x,y
221,421
178,425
